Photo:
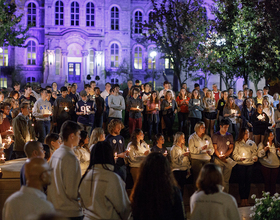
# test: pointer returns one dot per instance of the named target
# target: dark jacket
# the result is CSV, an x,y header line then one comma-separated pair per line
x,y
59,114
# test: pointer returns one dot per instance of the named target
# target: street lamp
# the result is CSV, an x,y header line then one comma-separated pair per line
x,y
153,54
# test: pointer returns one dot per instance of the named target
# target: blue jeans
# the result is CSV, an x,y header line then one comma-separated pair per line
x,y
43,128
152,124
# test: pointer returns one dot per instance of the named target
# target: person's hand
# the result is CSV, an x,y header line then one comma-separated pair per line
x,y
208,151
186,154
54,124
122,155
204,147
242,158
146,152
46,115
79,113
266,148
9,132
223,158
255,159
175,112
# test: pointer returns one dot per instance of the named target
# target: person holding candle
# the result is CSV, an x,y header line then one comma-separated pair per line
x,y
260,123
210,114
269,154
201,148
195,108
153,108
232,112
183,109
169,109
269,111
138,149
158,145
246,116
145,97
245,154
180,160
221,104
155,194
102,192
135,106
223,146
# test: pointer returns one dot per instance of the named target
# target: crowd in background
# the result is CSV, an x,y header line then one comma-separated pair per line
x,y
214,127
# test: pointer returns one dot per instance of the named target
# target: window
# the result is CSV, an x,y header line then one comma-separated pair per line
x,y
31,13
91,62
59,13
168,64
3,56
57,61
3,82
90,14
114,55
137,21
138,58
115,19
30,79
75,14
31,53
114,81
151,14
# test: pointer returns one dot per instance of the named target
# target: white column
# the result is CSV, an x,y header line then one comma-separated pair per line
x,y
84,72
64,72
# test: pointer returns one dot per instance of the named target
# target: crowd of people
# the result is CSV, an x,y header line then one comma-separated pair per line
x,y
82,136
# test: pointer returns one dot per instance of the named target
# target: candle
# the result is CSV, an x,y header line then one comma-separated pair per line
x,y
9,139
188,150
243,155
221,155
185,97
116,154
93,96
30,115
207,142
156,105
128,149
268,144
170,103
66,108
165,152
31,139
148,147
10,128
3,157
137,107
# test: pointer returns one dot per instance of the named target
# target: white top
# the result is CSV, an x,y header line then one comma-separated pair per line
x,y
217,206
26,204
272,158
103,194
248,150
196,143
270,114
104,94
63,191
137,156
83,156
40,108
178,160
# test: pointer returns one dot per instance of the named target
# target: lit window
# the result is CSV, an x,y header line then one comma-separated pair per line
x,y
115,19
91,62
31,13
31,53
30,79
114,55
59,13
75,13
138,58
138,20
168,63
3,82
90,14
151,63
57,61
3,56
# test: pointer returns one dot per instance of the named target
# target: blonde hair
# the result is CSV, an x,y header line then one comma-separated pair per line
x,y
95,136
267,99
177,137
112,125
197,125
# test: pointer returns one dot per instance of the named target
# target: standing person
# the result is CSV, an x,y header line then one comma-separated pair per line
x,y
85,109
221,105
31,199
246,116
246,93
200,92
145,96
260,123
180,160
223,146
210,114
17,87
116,104
239,100
245,154
135,106
275,100
182,103
146,201
104,95
137,149
201,148
231,93
62,109
269,111
169,109
259,98
27,96
209,201
195,108
277,122
216,94
106,92
63,191
265,94
54,88
232,112
96,135
42,111
117,143
23,130
102,191
126,92
153,108
100,103
166,88
269,155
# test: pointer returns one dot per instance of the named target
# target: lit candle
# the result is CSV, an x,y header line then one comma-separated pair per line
x,y
137,107
207,142
170,103
148,147
156,105
128,149
165,152
268,144
9,139
10,128
188,150
221,155
116,154
93,96
30,115
3,157
66,108
243,155
185,97
31,139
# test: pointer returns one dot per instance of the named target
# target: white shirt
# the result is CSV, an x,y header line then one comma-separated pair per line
x,y
104,94
25,204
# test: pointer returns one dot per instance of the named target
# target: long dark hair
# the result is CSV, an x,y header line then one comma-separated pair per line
x,y
209,178
265,140
154,188
101,153
133,138
157,137
152,99
241,134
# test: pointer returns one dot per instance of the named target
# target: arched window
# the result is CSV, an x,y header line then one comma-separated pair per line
x,y
4,56
59,13
151,15
138,58
31,13
31,53
137,22
90,14
75,13
115,19
114,55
